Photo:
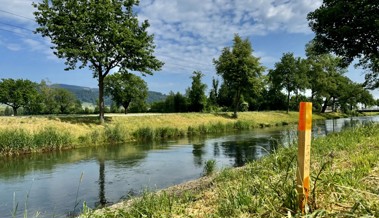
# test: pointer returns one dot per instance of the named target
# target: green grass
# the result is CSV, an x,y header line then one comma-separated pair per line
x,y
344,183
41,133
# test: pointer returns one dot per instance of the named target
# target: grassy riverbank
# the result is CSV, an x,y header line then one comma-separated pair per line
x,y
344,183
20,135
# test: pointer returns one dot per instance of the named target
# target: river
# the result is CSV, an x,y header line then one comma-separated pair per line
x,y
56,184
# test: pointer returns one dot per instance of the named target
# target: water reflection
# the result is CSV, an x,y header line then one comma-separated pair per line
x,y
102,200
198,153
116,172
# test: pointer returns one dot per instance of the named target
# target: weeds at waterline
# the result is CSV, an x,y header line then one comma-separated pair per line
x,y
344,171
209,167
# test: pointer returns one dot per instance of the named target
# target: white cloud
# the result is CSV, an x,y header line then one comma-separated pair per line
x,y
19,10
189,34
13,47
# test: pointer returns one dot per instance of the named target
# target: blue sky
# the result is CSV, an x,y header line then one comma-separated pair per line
x,y
188,35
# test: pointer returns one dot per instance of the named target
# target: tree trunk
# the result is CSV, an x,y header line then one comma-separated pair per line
x,y
288,102
101,97
325,105
14,111
126,105
236,103
334,105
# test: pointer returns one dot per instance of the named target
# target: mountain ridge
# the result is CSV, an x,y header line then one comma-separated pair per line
x,y
90,95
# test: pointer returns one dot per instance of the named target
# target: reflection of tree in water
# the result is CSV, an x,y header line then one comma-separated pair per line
x,y
198,154
120,157
247,150
216,149
102,199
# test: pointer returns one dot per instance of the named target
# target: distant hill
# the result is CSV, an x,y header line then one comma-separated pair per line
x,y
90,95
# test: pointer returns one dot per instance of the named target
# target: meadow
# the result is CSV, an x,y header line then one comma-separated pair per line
x,y
27,134
344,183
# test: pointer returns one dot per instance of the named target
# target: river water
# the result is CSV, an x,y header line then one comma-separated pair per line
x,y
56,184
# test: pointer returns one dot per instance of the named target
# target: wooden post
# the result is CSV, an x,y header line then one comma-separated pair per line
x,y
303,155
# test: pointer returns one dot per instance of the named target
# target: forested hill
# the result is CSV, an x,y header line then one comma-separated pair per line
x,y
90,95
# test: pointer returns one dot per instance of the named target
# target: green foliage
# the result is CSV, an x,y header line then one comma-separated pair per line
x,y
326,81
349,29
101,34
126,88
289,74
196,93
8,111
240,70
213,94
55,100
67,101
272,99
209,167
173,103
18,93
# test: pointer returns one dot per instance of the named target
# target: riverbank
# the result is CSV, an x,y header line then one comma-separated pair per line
x,y
344,183
20,135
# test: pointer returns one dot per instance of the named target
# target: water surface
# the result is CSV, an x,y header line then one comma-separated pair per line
x,y
56,184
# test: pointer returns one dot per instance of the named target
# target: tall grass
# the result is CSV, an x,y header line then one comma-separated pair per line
x,y
19,141
34,134
344,183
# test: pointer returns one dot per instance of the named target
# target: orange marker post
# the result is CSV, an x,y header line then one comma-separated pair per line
x,y
303,156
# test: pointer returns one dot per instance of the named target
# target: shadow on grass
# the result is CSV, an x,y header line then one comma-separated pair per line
x,y
80,119
225,115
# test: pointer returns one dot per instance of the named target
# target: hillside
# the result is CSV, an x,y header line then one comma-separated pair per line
x,y
90,95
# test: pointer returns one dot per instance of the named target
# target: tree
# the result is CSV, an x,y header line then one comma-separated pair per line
x,y
239,69
289,75
350,29
125,88
213,94
196,93
325,75
66,101
100,34
17,93
48,103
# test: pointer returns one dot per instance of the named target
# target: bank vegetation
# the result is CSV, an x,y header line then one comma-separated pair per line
x,y
27,134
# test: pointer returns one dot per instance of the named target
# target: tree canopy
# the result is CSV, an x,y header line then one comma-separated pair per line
x,y
288,74
196,93
100,34
240,70
350,29
126,88
17,93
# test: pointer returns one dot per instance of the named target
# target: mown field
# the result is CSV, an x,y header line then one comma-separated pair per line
x,y
344,183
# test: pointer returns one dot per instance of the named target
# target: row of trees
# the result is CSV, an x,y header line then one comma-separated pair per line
x,y
243,87
109,35
35,98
